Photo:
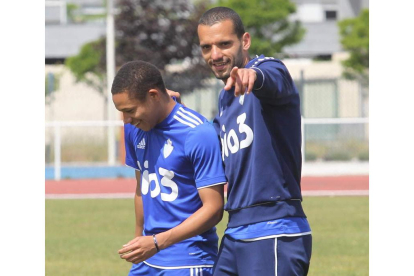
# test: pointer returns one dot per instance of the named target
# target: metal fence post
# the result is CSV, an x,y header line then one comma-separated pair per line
x,y
110,73
302,121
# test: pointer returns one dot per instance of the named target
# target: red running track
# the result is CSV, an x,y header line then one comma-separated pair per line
x,y
125,187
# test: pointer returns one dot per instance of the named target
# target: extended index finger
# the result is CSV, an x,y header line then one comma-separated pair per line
x,y
231,81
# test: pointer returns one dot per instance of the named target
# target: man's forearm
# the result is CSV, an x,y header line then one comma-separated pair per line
x,y
139,216
139,211
197,223
202,220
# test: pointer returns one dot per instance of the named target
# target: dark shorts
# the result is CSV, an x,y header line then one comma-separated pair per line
x,y
281,256
144,269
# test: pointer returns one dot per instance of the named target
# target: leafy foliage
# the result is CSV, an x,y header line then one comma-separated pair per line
x,y
89,65
160,32
75,15
164,33
355,39
267,21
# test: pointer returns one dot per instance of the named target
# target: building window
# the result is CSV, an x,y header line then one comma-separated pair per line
x,y
330,15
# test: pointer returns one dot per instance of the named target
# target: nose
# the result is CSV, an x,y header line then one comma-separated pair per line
x,y
216,53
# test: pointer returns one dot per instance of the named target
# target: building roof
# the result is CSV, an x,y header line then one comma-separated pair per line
x,y
62,41
321,38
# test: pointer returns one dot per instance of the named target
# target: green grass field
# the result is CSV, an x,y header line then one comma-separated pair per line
x,y
83,236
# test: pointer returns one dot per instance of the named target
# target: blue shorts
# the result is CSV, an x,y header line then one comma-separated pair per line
x,y
144,269
281,256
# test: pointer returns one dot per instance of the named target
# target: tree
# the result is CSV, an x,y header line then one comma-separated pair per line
x,y
163,33
267,21
355,39
160,32
89,65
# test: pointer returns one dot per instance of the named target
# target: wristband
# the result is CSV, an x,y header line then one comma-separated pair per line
x,y
155,242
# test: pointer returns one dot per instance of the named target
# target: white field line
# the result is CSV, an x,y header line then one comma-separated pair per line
x,y
336,193
86,196
131,195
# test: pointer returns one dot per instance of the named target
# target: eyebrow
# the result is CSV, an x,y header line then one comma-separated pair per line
x,y
220,42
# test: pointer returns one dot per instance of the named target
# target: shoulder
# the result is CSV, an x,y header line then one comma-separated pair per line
x,y
207,128
267,61
204,134
188,117
185,111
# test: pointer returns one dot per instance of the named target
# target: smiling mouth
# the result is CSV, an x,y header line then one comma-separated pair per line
x,y
137,124
220,65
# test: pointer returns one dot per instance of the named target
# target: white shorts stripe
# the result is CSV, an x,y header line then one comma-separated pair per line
x,y
196,271
188,118
178,267
277,236
275,256
191,114
184,122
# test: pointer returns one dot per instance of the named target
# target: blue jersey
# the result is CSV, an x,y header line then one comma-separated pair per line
x,y
176,158
261,146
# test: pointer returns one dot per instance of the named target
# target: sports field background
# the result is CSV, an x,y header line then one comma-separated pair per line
x,y
84,235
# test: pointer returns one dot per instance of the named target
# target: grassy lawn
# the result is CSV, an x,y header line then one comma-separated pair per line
x,y
83,236
340,235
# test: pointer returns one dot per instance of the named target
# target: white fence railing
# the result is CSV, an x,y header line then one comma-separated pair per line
x,y
327,121
57,126
57,138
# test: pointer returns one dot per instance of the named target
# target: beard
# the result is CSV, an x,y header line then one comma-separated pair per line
x,y
236,61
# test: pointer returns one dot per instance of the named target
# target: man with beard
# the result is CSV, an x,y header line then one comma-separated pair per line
x,y
259,125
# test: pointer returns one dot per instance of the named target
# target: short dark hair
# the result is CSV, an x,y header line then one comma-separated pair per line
x,y
219,14
137,78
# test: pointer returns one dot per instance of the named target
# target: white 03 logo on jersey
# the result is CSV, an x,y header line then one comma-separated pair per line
x,y
230,141
166,181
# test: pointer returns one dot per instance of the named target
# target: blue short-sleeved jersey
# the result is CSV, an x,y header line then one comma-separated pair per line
x,y
176,158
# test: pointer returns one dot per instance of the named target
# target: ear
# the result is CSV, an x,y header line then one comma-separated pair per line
x,y
246,40
154,94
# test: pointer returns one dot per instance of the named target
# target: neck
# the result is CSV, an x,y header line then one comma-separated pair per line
x,y
167,107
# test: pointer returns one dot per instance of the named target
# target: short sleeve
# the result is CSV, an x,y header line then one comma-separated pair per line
x,y
202,147
130,157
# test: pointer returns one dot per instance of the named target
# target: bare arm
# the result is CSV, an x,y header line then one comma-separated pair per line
x,y
139,213
142,248
202,220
